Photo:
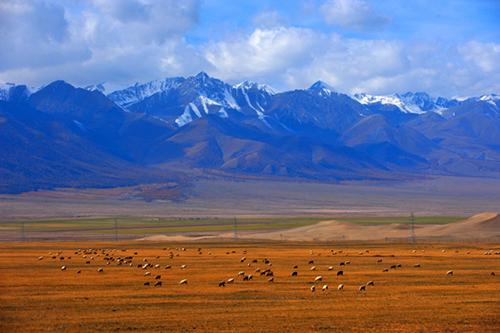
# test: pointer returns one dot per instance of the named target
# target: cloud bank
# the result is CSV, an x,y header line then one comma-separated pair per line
x,y
123,41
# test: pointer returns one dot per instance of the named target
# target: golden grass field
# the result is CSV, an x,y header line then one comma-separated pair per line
x,y
37,296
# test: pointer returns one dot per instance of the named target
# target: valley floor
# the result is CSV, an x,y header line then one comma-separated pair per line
x,y
37,296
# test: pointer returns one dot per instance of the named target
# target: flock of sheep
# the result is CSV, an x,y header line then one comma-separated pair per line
x,y
113,256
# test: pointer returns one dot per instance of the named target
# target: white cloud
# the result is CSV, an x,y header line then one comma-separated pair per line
x,y
95,41
121,42
290,58
351,14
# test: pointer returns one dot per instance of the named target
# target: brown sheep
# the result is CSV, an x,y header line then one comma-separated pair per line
x,y
362,288
295,273
339,273
370,283
271,279
157,284
157,277
222,283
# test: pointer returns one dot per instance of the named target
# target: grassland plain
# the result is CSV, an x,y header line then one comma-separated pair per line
x,y
133,227
36,295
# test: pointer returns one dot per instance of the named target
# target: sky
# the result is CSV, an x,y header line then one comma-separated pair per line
x,y
448,48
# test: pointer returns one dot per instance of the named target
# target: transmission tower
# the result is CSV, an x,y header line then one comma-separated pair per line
x,y
235,229
412,228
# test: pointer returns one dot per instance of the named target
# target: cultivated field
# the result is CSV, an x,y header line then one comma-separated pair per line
x,y
36,295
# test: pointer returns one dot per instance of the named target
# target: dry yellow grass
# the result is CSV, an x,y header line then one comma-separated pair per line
x,y
36,296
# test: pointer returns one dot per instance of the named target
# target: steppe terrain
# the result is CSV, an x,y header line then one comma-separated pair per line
x,y
37,296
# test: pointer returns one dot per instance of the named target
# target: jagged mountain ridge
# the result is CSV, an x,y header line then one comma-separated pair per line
x,y
147,131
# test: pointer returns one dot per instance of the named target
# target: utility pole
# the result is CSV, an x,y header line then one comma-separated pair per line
x,y
235,229
412,228
23,232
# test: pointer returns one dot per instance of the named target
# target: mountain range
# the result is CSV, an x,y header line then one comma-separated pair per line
x,y
177,128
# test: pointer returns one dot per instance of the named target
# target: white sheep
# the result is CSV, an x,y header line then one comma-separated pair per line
x,y
340,287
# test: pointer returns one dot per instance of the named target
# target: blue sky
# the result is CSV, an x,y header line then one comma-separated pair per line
x,y
449,48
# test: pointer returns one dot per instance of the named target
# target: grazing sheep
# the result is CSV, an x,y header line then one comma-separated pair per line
x,y
370,283
147,273
342,263
340,287
295,273
449,273
40,258
330,268
385,270
63,268
347,262
241,273
255,261
313,288
318,278
295,267
222,283
230,280
393,266
100,269
311,262
325,287
157,284
247,277
379,260
78,272
339,273
398,266
157,266
492,273
416,265
362,288
183,281
146,283
183,266
157,277
168,267
243,259
257,270
271,279
313,268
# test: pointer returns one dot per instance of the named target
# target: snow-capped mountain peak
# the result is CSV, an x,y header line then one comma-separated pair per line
x,y
140,91
322,88
409,102
246,85
96,87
